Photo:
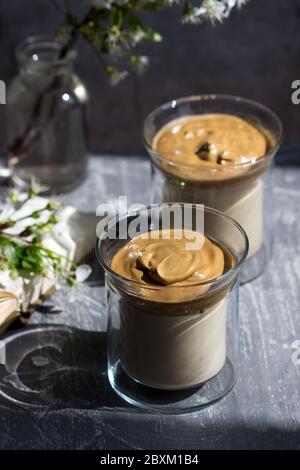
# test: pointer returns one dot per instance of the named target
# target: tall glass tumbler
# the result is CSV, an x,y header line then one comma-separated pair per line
x,y
165,355
245,194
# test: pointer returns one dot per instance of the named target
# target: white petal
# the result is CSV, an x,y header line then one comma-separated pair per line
x,y
6,212
83,272
32,205
44,217
22,224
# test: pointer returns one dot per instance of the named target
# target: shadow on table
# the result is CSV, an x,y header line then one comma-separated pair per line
x,y
52,367
55,367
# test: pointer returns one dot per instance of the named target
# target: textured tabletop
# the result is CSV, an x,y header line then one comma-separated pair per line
x,y
81,411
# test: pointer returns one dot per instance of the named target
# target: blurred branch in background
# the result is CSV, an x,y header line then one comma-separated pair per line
x,y
113,28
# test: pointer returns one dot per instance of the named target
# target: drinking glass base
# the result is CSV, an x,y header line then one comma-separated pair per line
x,y
172,401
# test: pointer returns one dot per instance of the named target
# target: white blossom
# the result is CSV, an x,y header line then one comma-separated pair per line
x,y
195,16
118,77
241,3
142,64
216,11
137,37
212,10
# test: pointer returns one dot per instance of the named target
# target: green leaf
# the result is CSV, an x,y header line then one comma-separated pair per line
x,y
159,5
188,7
117,17
152,35
110,70
133,59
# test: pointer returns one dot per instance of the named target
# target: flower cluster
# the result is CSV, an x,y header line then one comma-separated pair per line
x,y
25,220
114,27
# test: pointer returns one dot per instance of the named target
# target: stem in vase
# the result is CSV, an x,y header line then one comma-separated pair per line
x,y
22,145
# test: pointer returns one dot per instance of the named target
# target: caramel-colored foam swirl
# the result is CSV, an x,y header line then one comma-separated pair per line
x,y
210,140
169,257
212,147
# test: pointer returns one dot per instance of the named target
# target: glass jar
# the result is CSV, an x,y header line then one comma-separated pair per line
x,y
46,117
245,194
172,356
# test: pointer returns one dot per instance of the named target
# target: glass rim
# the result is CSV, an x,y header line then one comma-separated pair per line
x,y
52,41
225,276
210,97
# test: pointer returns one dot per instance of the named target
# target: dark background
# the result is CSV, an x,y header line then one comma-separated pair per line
x,y
255,53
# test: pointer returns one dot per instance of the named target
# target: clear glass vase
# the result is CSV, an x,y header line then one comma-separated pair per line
x,y
173,356
46,117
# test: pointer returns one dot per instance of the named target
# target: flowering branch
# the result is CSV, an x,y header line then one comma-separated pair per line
x,y
113,28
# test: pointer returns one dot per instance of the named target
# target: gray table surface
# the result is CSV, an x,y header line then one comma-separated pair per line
x,y
262,411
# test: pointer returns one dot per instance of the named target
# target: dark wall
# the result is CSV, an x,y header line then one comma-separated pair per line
x,y
255,53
